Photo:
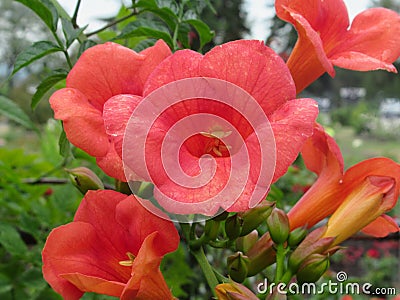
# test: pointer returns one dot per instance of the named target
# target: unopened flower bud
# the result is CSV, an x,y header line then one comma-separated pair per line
x,y
313,243
234,291
244,243
237,266
85,179
253,217
221,217
296,236
233,226
211,229
312,268
278,226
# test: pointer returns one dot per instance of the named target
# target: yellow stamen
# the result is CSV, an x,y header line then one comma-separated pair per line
x,y
128,263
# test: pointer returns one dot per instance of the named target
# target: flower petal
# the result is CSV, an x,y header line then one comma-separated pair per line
x,y
321,155
92,284
147,282
292,124
248,64
111,69
362,47
381,227
78,248
83,124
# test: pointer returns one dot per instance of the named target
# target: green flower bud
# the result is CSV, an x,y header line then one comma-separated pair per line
x,y
244,243
211,229
278,226
85,179
313,243
237,266
253,217
233,226
221,217
296,236
312,268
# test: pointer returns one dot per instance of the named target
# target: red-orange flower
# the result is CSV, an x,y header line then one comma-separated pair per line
x,y
248,66
114,247
325,39
362,194
102,72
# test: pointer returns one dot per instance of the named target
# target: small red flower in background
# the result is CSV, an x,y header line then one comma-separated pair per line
x,y
325,39
373,253
102,72
114,247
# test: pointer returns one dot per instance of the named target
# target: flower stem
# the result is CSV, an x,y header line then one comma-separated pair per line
x,y
205,266
280,261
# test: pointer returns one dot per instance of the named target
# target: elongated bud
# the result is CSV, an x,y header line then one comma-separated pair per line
x,y
221,217
313,243
85,179
237,266
244,243
297,236
211,229
261,255
253,217
313,268
233,226
278,226
234,291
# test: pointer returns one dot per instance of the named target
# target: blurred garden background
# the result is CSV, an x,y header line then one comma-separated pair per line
x,y
361,110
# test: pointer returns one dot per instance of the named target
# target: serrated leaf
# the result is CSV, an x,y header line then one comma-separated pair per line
x,y
42,11
71,33
145,29
205,33
11,240
34,52
12,111
47,84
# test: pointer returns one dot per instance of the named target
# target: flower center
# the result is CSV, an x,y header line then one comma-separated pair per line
x,y
129,262
216,145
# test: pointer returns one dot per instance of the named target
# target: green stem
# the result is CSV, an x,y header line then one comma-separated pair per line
x,y
75,15
287,276
205,266
111,24
175,36
280,261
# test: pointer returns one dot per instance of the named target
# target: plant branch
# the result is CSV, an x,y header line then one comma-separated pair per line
x,y
111,24
75,15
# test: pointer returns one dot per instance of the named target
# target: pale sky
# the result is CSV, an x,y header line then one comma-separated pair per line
x,y
258,13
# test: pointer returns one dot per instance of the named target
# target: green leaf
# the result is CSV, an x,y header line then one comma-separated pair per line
x,y
65,146
86,44
47,84
147,29
33,53
12,111
11,240
42,11
53,10
70,33
205,33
